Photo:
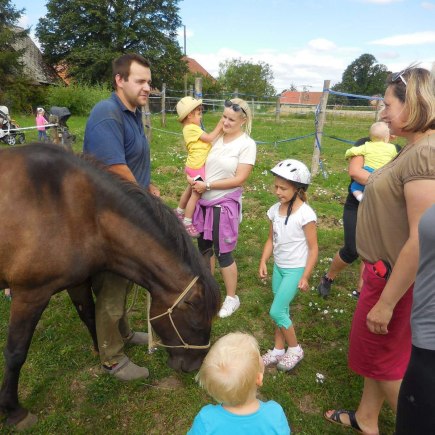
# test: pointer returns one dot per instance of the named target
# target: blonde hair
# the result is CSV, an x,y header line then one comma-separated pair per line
x,y
230,369
246,113
379,131
418,96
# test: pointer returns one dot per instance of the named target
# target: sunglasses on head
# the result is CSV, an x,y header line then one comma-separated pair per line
x,y
398,75
236,107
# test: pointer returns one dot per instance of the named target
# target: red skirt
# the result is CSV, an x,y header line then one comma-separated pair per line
x,y
375,356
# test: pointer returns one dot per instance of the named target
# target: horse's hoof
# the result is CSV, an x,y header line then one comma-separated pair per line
x,y
28,421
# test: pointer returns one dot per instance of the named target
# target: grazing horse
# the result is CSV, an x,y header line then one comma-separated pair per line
x,y
62,219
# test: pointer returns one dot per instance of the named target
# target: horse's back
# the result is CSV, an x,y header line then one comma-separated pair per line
x,y
47,212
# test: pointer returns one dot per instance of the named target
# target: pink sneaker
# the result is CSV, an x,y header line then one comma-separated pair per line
x,y
191,230
269,359
290,360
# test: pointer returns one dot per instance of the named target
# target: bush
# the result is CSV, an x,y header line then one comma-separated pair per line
x,y
80,99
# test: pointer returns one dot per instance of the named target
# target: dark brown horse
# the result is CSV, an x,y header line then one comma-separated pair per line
x,y
63,219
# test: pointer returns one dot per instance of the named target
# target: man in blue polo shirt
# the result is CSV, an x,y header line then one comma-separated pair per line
x,y
115,136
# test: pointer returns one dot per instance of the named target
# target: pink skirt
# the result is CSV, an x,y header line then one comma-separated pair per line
x,y
194,172
380,357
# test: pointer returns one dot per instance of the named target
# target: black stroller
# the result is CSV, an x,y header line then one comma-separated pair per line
x,y
59,116
7,128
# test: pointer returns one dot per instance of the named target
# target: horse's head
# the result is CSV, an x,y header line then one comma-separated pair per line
x,y
183,322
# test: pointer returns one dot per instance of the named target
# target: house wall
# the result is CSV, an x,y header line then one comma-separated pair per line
x,y
34,65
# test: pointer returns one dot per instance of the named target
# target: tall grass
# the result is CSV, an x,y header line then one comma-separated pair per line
x,y
61,381
78,98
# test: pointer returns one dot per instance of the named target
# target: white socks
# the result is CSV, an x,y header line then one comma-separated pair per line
x,y
297,349
278,352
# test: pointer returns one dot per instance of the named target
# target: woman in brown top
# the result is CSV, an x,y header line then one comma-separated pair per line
x,y
396,196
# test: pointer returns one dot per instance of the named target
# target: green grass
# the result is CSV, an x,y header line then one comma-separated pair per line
x,y
61,381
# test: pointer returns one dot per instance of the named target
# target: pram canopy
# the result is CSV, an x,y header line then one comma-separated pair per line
x,y
62,113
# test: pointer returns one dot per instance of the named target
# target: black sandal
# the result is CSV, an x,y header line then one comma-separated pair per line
x,y
335,418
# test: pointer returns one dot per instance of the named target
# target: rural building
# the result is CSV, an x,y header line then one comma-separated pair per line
x,y
296,97
34,66
195,68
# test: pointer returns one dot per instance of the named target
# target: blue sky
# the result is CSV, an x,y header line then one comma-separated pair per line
x,y
304,42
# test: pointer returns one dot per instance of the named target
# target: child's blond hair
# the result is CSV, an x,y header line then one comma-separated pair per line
x,y
230,371
379,132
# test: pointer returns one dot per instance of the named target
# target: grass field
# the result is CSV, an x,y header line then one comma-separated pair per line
x,y
61,381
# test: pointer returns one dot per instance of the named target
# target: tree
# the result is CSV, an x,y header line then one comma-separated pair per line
x,y
87,35
364,76
11,66
252,80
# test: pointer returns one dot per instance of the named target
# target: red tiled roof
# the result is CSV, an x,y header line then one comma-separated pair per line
x,y
295,97
194,67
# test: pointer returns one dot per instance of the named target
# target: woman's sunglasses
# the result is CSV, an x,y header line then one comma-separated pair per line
x,y
236,107
398,75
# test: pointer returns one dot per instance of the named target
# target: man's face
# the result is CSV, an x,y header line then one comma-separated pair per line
x,y
134,91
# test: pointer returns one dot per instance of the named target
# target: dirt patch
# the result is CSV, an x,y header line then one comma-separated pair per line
x,y
329,222
169,383
306,404
168,170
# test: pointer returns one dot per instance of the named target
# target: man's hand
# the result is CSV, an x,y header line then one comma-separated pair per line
x,y
154,190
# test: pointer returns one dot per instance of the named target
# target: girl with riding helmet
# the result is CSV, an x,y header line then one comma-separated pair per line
x,y
293,242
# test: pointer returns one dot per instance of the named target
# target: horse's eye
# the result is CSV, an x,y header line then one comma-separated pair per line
x,y
190,303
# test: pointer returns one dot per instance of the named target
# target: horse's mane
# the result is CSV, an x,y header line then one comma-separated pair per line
x,y
139,206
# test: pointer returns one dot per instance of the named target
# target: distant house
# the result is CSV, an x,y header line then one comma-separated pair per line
x,y
295,97
34,66
195,68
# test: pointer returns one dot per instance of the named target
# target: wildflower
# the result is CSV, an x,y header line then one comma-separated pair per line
x,y
320,378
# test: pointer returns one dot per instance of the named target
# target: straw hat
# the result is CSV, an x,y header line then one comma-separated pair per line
x,y
185,106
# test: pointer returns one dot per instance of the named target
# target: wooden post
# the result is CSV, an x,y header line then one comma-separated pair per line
x,y
278,109
198,88
236,93
146,120
54,131
164,105
319,129
252,107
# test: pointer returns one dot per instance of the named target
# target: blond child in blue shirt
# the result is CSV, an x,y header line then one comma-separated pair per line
x,y
231,373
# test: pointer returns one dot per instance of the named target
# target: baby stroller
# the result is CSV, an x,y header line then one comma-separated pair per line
x,y
7,127
59,116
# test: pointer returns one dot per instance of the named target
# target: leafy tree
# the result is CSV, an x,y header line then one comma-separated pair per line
x,y
87,35
364,76
248,78
12,78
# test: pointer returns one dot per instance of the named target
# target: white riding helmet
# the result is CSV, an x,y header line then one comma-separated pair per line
x,y
294,171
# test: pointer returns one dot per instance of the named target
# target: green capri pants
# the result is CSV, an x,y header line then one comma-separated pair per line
x,y
284,287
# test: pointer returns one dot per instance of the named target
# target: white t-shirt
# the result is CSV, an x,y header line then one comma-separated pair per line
x,y
290,247
223,159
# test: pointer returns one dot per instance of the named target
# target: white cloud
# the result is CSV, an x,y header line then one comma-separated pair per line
x,y
381,2
416,38
23,21
390,54
321,44
427,5
302,67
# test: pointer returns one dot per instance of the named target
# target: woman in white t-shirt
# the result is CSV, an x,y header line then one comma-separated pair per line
x,y
293,242
218,213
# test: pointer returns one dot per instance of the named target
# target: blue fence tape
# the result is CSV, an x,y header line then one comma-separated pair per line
x,y
344,94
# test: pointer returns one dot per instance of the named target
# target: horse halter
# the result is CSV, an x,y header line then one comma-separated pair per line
x,y
169,313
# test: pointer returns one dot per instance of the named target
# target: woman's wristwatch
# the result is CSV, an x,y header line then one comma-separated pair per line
x,y
207,185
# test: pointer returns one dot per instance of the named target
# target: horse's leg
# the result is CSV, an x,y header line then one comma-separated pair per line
x,y
25,314
82,299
